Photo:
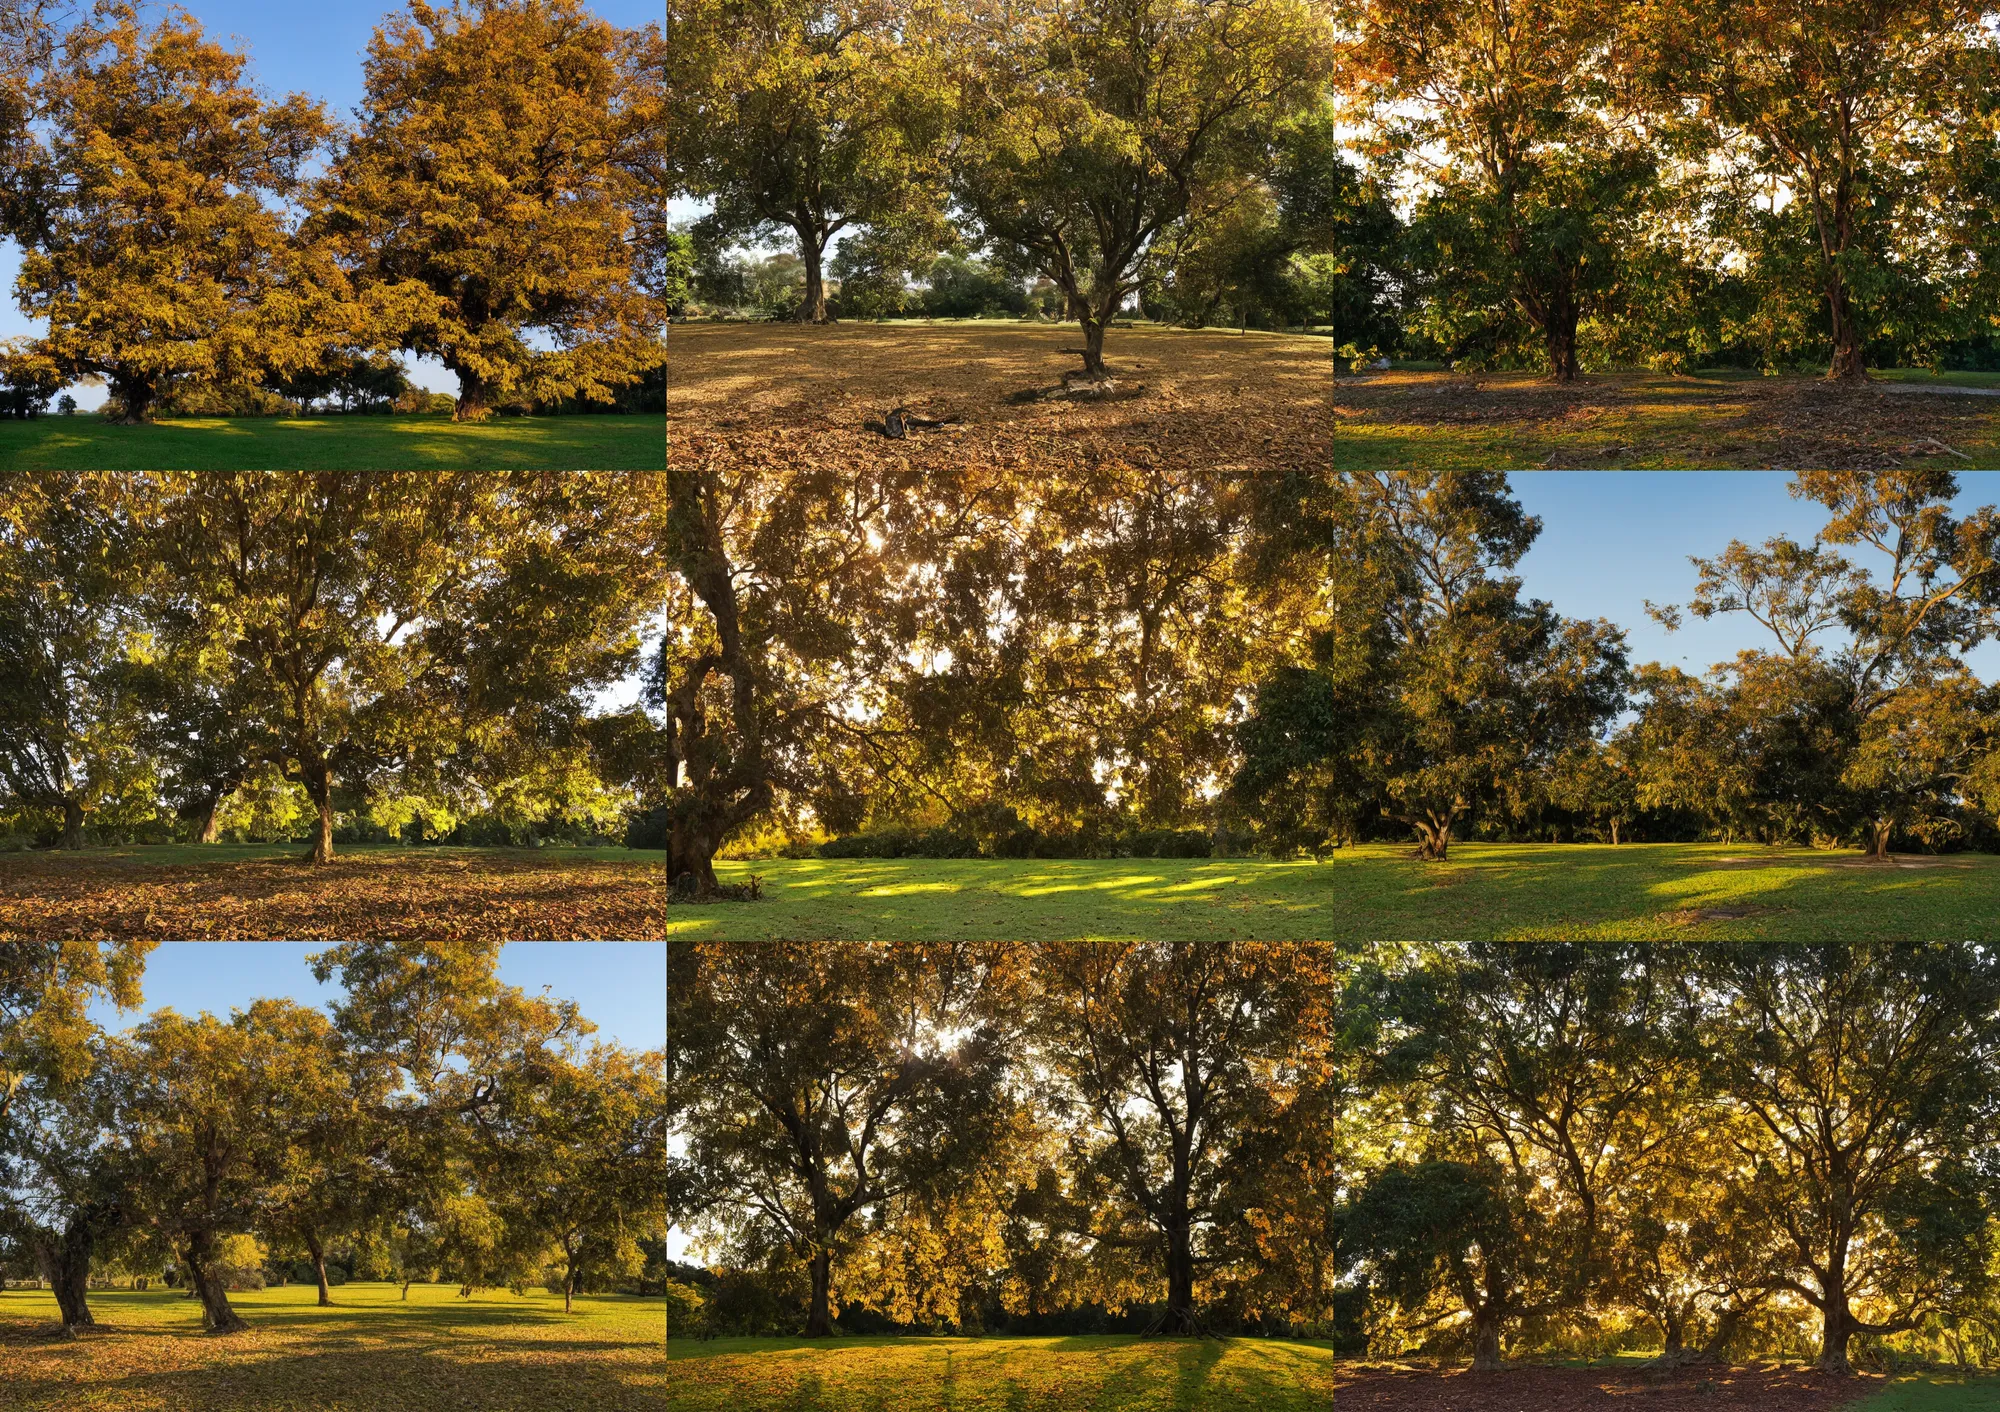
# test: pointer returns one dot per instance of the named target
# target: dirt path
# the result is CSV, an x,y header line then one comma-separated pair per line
x,y
1529,1389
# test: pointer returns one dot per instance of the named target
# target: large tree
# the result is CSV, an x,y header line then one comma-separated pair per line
x,y
810,117
1088,127
488,206
151,212
826,1080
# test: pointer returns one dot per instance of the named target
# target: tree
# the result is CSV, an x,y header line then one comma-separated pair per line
x,y
583,1159
1863,1069
809,116
487,207
1159,1054
1434,693
67,738
1089,127
1841,101
150,214
831,1079
1907,693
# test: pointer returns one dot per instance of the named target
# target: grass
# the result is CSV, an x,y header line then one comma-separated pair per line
x,y
1718,419
1522,892
607,443
1108,1373
796,396
1015,1374
494,1352
268,892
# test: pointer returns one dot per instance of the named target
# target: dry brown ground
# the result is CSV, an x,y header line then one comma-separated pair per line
x,y
792,394
1528,1389
379,896
1657,420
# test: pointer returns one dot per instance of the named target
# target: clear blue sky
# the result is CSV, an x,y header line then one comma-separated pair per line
x,y
299,46
621,986
1612,539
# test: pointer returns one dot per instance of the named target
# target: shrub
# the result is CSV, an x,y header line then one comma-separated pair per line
x,y
1169,843
687,1311
648,830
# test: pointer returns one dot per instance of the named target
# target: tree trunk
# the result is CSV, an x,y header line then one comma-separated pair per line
x,y
691,853
64,1261
1486,1341
1560,339
208,826
1846,337
819,1314
1836,1328
136,394
475,396
1879,831
317,1250
812,252
406,1289
569,1287
72,837
1614,833
319,788
216,1315
1180,1316
1434,835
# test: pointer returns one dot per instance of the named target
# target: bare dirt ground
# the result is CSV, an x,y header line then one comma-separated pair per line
x,y
1529,1389
789,393
1782,423
379,895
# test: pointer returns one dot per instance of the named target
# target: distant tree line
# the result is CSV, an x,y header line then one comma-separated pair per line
x,y
328,656
1126,660
1171,152
435,1125
1705,1153
202,247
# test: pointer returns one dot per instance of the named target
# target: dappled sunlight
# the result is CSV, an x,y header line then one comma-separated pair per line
x,y
905,889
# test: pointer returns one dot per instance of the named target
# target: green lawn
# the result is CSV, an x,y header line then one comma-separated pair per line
x,y
1714,419
607,443
1936,1393
1518,892
1015,1374
372,1352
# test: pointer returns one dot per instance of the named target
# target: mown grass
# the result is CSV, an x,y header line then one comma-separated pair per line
x,y
1015,1374
1518,892
372,1352
606,443
1936,1392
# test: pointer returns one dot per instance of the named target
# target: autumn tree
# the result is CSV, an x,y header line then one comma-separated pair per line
x,y
68,740
1846,104
487,207
829,1079
151,212
1864,1069
1434,693
810,117
1088,127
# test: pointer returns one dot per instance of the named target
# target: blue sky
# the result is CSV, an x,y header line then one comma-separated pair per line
x,y
1612,539
297,47
621,987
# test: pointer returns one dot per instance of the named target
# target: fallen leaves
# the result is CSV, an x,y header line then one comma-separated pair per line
x,y
381,895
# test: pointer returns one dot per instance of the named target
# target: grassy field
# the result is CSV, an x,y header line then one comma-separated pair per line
x,y
1721,420
1518,892
494,1352
335,443
267,892
1121,1374
799,395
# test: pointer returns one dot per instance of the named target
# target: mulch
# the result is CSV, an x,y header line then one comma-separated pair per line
x,y
1774,424
1532,1389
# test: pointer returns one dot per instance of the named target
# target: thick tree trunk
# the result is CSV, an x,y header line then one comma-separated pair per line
x,y
475,396
64,1260
207,826
319,788
1846,337
812,252
1093,346
1434,835
137,397
1486,1341
1560,340
72,836
1614,833
691,853
1180,1316
217,1317
1836,1328
819,1313
1879,832
317,1249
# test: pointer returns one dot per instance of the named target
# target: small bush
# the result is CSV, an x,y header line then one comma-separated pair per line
x,y
902,843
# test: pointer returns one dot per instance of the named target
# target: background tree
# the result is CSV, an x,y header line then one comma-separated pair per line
x,y
150,213
485,205
809,116
1088,127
